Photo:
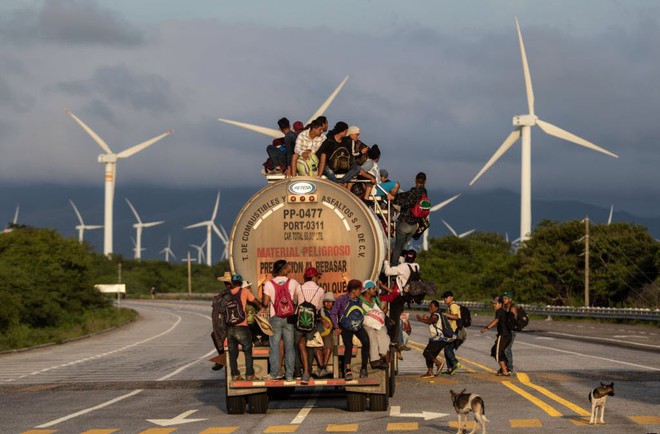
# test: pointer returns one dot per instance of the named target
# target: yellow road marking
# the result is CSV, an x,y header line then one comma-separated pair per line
x,y
479,365
525,423
158,431
100,431
645,420
352,427
534,400
281,428
466,425
524,379
40,431
403,426
219,430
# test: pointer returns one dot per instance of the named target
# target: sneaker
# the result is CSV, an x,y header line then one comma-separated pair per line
x,y
323,373
268,377
349,375
305,379
250,378
439,369
237,378
364,373
426,376
289,379
217,367
280,374
455,368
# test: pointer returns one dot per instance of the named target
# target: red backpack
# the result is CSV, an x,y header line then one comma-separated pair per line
x,y
422,209
283,303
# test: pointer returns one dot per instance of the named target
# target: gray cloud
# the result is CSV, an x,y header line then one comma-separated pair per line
x,y
13,99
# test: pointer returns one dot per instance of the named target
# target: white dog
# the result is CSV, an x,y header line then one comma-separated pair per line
x,y
597,398
466,402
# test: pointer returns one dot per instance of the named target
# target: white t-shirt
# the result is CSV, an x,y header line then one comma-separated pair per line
x,y
269,290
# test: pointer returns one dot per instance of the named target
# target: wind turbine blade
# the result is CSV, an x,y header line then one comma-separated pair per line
x,y
328,101
218,233
18,208
91,132
528,78
134,211
197,225
450,228
256,128
445,203
508,142
90,227
77,212
215,209
152,224
224,232
609,219
562,134
204,243
137,148
465,234
173,255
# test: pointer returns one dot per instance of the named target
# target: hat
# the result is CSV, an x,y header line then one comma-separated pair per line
x,y
352,130
447,294
311,272
384,173
236,278
264,324
374,152
225,277
368,284
298,126
246,284
507,295
329,296
497,300
353,284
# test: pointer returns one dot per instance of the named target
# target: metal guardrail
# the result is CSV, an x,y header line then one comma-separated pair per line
x,y
580,312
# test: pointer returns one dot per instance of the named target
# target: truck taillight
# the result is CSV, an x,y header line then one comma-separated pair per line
x,y
302,198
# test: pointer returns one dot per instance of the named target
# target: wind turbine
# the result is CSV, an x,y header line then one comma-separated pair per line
x,y
210,226
277,133
82,226
135,249
609,219
200,251
434,208
524,124
463,235
10,226
110,160
168,250
138,230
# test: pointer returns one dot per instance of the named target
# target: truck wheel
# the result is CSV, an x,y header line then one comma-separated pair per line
x,y
356,401
258,403
378,402
235,404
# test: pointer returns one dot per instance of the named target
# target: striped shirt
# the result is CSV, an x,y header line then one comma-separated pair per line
x,y
311,292
304,142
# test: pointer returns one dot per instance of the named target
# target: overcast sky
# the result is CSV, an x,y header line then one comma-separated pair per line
x,y
434,83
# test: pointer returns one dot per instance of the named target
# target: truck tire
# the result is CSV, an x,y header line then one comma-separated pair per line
x,y
235,404
356,401
378,402
258,403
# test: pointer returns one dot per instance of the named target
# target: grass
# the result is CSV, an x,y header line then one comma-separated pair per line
x,y
23,336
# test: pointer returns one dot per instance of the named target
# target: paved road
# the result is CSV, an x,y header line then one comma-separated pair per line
x,y
138,378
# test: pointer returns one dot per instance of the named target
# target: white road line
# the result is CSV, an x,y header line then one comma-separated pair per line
x,y
592,357
182,368
307,408
605,339
87,410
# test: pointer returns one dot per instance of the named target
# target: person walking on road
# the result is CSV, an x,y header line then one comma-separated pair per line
x,y
453,314
512,311
437,340
503,336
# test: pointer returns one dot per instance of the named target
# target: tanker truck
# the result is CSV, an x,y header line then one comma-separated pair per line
x,y
309,221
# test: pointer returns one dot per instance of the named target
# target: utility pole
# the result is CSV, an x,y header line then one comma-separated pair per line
x,y
189,275
586,261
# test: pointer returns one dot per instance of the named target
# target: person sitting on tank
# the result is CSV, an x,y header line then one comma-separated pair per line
x,y
386,188
304,161
282,149
335,157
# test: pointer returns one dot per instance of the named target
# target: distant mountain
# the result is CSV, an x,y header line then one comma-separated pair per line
x,y
48,206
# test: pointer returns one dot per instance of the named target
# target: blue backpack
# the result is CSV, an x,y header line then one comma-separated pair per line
x,y
353,316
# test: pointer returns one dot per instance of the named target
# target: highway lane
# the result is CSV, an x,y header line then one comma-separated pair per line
x,y
156,369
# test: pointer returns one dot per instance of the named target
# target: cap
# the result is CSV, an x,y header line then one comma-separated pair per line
x,y
352,130
447,294
246,284
353,284
507,295
225,277
384,173
311,272
497,300
329,297
236,278
298,126
368,284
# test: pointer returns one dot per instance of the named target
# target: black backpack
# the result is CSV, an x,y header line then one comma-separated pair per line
x,y
340,160
306,319
466,319
518,323
233,308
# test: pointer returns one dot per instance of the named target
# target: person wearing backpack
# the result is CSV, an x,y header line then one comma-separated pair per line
x,y
512,312
219,327
396,299
347,316
453,315
503,336
437,339
238,331
335,156
278,296
309,299
374,324
407,223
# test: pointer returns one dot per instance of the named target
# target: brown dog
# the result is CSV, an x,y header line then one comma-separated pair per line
x,y
464,403
597,398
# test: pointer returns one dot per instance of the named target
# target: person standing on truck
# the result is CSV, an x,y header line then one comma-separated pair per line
x,y
218,324
407,223
374,325
309,292
275,292
340,310
395,298
323,354
238,331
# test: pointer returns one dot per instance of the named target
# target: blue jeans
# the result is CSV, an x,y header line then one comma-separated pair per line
x,y
281,330
509,354
450,355
277,157
348,176
240,335
404,233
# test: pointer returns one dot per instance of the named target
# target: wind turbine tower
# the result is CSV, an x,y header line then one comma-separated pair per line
x,y
139,226
109,159
523,127
168,250
82,226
